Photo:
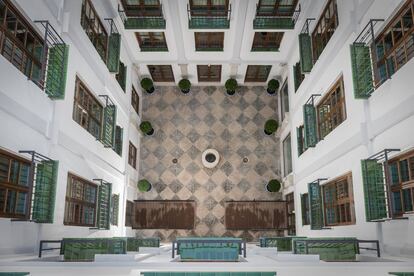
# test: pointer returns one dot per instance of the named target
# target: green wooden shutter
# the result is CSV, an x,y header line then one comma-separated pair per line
x,y
374,192
361,70
310,129
315,206
304,204
299,137
305,51
109,124
118,140
45,192
121,76
114,209
104,205
114,50
56,71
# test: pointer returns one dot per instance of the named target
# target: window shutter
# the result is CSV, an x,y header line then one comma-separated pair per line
x,y
309,119
56,71
305,51
374,190
109,124
114,50
114,209
45,192
104,204
295,76
299,138
361,70
303,203
119,133
315,206
122,75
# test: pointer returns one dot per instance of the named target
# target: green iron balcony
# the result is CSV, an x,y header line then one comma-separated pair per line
x,y
265,49
202,19
281,21
150,20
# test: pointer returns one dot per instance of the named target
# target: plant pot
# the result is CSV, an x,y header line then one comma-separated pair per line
x,y
151,90
231,92
150,133
185,91
271,92
268,133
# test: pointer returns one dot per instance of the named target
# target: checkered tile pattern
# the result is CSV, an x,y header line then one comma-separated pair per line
x,y
185,126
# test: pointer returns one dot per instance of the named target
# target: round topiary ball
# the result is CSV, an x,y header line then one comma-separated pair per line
x,y
144,185
273,186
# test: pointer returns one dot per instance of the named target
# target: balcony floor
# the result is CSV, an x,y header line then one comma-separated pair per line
x,y
185,126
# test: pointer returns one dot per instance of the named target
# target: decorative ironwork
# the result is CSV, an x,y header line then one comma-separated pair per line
x,y
142,22
280,22
216,19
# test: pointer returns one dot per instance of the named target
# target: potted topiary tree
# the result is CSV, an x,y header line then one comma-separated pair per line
x,y
272,86
273,186
184,85
146,128
270,126
231,86
147,85
144,185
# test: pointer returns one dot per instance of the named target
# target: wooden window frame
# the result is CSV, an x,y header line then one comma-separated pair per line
x,y
85,109
28,59
306,208
8,186
276,11
209,76
290,202
151,43
256,70
81,202
135,100
142,9
214,40
94,30
347,202
209,9
326,122
326,22
128,213
158,74
287,170
132,155
269,42
402,185
398,44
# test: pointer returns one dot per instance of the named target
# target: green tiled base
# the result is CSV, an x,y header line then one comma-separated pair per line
x,y
75,250
208,273
282,243
217,251
327,251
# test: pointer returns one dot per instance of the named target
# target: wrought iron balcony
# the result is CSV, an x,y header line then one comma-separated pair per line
x,y
153,19
212,19
269,20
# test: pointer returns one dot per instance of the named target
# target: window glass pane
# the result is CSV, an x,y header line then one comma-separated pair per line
x,y
21,203
2,12
404,170
11,21
11,201
287,156
21,32
397,202
4,168
412,167
14,171
24,175
408,203
407,21
394,173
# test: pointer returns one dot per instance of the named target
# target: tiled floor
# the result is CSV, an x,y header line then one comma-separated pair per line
x,y
185,126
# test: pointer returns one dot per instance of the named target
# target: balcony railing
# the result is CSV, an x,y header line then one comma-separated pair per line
x,y
264,49
213,19
142,21
209,48
272,21
154,47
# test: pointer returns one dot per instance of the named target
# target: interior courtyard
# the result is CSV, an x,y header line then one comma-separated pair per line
x,y
207,137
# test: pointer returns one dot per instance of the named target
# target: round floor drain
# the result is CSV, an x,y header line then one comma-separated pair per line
x,y
175,160
210,158
245,160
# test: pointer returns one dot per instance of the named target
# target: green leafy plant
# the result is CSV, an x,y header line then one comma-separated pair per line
x,y
147,84
144,185
272,86
271,126
273,186
146,127
184,85
231,86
